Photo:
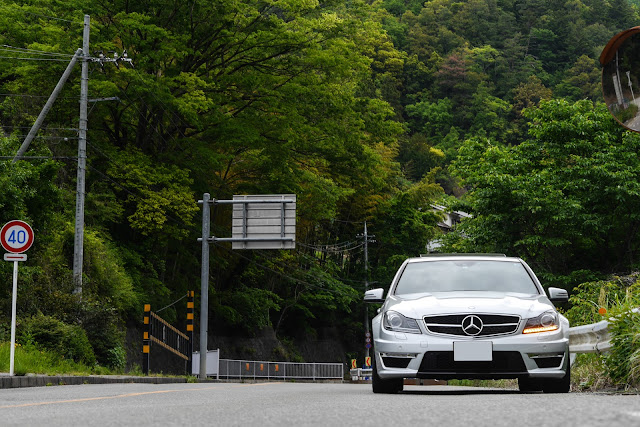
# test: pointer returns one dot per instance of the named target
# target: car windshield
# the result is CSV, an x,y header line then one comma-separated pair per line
x,y
465,275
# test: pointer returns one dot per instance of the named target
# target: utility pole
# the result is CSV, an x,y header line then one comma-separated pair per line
x,y
367,332
78,246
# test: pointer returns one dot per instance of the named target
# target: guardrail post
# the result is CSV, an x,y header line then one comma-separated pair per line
x,y
146,339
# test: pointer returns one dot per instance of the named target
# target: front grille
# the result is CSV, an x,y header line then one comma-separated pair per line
x,y
440,364
493,324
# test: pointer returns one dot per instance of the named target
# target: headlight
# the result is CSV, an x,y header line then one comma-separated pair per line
x,y
546,322
395,321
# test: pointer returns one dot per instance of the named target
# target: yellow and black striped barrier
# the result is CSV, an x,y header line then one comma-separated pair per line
x,y
159,331
190,318
146,339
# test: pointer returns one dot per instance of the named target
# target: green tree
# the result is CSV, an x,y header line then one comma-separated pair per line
x,y
583,80
556,199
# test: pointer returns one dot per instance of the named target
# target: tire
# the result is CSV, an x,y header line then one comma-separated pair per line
x,y
379,385
562,385
528,385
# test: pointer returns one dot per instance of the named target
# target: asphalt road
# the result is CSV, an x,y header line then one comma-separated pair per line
x,y
301,404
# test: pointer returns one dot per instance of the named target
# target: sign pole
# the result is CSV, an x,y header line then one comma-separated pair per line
x,y
246,236
204,286
14,300
16,237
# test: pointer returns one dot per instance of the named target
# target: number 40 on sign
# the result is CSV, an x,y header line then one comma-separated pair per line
x,y
16,236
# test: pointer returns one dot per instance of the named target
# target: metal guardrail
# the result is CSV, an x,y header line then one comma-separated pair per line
x,y
592,338
251,369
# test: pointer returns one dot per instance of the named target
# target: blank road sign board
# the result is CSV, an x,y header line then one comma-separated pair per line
x,y
262,224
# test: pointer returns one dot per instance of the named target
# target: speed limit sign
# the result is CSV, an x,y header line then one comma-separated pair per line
x,y
16,236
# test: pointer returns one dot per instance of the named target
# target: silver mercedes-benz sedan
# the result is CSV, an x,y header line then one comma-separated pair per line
x,y
474,316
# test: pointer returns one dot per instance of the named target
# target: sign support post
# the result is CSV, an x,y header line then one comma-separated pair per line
x,y
204,286
16,237
14,300
254,227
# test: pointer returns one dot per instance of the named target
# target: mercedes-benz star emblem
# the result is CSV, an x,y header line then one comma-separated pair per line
x,y
472,325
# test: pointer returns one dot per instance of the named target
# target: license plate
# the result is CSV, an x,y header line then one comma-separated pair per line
x,y
470,351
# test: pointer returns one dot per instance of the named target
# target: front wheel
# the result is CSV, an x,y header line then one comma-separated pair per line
x,y
528,385
562,385
380,385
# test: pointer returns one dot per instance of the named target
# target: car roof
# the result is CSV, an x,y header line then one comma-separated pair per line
x,y
457,257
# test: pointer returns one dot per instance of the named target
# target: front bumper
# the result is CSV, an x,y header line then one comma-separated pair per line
x,y
405,355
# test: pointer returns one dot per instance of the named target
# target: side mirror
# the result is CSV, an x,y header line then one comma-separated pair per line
x,y
374,295
620,61
558,295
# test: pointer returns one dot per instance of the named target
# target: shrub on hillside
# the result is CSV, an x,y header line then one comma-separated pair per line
x,y
104,328
618,296
49,333
623,361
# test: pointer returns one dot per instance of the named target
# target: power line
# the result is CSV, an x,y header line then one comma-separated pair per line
x,y
41,157
48,137
349,246
34,59
34,51
303,282
36,96
173,303
348,222
29,127
52,17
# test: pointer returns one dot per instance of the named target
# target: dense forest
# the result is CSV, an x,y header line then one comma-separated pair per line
x,y
368,111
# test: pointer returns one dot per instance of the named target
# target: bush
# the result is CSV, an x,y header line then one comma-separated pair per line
x,y
622,362
618,296
31,360
117,358
48,333
105,329
587,298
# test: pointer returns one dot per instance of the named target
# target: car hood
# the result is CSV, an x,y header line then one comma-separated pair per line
x,y
418,306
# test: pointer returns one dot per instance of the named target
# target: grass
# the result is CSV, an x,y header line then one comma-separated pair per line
x,y
31,360
589,374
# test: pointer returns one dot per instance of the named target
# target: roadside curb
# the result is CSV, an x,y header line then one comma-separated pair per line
x,y
51,380
32,380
